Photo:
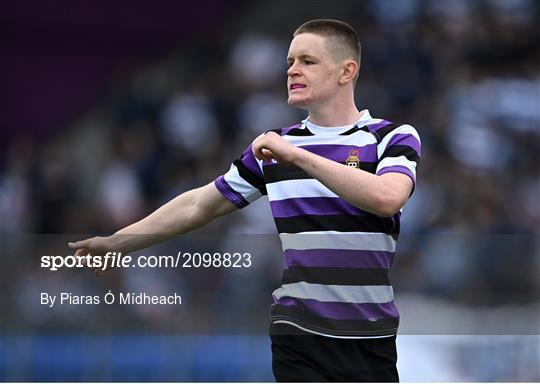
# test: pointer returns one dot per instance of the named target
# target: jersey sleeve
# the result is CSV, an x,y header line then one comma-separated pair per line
x,y
399,151
244,182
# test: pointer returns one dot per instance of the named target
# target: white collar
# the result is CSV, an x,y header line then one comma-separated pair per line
x,y
365,117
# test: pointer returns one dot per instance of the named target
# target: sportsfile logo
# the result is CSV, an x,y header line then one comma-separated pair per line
x,y
109,260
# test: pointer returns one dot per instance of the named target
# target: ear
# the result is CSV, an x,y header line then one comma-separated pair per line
x,y
348,71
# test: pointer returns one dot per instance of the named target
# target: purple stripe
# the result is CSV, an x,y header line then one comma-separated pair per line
x,y
375,127
405,139
340,258
249,160
398,169
342,311
286,130
229,193
340,153
314,206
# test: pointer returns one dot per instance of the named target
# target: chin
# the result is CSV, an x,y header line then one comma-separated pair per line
x,y
298,103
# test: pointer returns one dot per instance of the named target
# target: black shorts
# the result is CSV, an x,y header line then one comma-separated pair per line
x,y
301,356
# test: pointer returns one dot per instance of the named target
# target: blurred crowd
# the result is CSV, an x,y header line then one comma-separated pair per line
x,y
466,74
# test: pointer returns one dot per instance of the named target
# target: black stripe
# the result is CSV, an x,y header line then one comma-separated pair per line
x,y
248,176
381,133
340,223
336,276
355,129
292,132
368,167
379,327
299,132
401,150
277,172
396,219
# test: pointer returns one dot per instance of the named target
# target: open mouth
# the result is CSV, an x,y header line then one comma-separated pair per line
x,y
297,86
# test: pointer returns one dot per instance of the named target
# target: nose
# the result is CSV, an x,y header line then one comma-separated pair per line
x,y
293,70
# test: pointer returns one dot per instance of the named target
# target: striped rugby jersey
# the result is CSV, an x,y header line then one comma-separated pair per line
x,y
336,257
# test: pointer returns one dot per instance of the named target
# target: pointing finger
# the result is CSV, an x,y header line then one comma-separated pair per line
x,y
78,244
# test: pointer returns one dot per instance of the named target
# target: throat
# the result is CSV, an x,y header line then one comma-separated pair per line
x,y
335,119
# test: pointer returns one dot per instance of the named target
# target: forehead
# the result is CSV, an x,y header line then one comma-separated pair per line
x,y
308,44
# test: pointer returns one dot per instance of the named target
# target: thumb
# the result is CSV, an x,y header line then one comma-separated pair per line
x,y
267,154
81,252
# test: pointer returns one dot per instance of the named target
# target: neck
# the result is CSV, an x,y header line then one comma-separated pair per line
x,y
335,113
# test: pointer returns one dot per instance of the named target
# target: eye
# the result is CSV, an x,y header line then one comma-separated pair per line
x,y
308,62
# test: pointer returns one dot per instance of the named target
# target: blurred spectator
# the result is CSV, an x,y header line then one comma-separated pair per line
x,y
190,125
258,60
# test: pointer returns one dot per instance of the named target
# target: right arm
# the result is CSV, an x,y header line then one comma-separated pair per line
x,y
184,213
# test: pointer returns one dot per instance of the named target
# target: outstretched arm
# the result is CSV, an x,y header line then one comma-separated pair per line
x,y
382,195
186,212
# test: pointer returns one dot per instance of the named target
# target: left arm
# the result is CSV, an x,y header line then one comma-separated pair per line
x,y
382,195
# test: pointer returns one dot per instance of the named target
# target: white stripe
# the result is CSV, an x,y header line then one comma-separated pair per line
x,y
289,189
259,163
249,192
359,139
357,294
365,241
401,130
400,160
327,335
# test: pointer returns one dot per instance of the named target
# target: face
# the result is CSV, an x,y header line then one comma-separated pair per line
x,y
312,77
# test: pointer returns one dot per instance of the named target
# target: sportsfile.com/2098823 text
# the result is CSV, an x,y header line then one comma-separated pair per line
x,y
181,260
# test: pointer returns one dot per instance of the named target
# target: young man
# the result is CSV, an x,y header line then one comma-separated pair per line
x,y
336,184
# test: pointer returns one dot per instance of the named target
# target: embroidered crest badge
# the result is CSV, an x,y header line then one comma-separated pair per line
x,y
353,160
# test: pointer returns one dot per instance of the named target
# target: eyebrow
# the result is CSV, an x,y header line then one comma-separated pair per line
x,y
304,56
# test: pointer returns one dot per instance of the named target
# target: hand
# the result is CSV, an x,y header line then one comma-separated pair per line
x,y
95,246
272,146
